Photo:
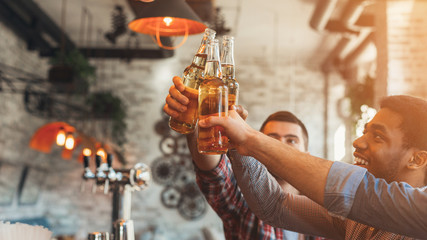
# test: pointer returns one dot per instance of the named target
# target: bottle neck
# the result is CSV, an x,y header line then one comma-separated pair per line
x,y
227,54
213,64
208,36
213,69
199,60
227,57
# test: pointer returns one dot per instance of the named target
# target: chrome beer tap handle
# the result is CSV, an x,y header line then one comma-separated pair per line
x,y
87,173
111,176
100,175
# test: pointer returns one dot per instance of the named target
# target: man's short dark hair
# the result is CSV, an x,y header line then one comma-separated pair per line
x,y
285,116
413,111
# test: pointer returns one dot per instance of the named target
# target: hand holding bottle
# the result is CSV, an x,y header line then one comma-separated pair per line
x,y
213,101
176,101
186,121
238,131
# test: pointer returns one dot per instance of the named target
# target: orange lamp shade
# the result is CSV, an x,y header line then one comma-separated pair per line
x,y
166,18
166,26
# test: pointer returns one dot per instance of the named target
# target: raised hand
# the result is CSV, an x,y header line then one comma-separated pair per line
x,y
236,129
176,102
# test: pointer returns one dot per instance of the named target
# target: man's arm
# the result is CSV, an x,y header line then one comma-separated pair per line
x,y
283,160
278,208
203,162
309,174
353,192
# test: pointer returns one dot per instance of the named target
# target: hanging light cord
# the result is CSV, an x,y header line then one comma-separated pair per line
x,y
159,42
64,8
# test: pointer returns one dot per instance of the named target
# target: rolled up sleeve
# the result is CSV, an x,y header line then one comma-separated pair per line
x,y
341,187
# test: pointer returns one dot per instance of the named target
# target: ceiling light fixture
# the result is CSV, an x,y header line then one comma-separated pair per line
x,y
166,18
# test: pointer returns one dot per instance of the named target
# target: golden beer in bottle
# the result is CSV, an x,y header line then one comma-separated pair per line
x,y
186,122
213,101
228,69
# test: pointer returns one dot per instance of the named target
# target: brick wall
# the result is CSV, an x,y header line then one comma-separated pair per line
x,y
67,210
407,52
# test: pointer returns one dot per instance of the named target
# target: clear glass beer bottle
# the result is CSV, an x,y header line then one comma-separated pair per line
x,y
213,101
186,122
228,69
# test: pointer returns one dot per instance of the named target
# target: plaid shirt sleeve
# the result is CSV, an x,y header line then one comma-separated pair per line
x,y
220,190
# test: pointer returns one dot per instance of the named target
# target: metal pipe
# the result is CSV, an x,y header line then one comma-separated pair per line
x,y
322,14
352,57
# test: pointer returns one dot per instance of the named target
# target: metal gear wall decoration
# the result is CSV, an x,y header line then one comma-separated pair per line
x,y
175,171
171,197
164,170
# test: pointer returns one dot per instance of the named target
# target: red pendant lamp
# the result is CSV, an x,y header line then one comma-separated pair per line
x,y
43,139
166,18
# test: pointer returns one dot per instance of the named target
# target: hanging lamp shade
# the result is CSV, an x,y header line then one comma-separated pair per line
x,y
166,18
45,136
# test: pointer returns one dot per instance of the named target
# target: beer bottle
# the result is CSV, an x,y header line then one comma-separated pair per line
x,y
228,69
186,122
213,101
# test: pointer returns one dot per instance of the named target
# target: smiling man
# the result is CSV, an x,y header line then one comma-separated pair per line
x,y
393,148
382,149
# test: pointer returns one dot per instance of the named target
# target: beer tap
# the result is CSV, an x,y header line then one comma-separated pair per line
x,y
100,175
111,175
121,182
87,174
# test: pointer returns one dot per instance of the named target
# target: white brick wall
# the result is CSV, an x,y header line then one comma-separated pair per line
x,y
406,37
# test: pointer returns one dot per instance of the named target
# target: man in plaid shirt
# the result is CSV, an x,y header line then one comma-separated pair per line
x,y
217,182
